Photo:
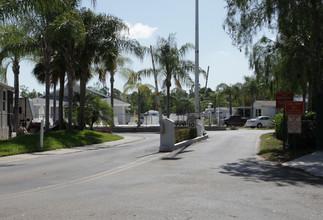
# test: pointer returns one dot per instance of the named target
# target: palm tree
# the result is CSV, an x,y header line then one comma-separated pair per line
x,y
70,31
109,62
134,82
251,89
57,74
224,89
172,65
100,46
15,45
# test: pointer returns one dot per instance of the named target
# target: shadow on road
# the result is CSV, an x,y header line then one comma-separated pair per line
x,y
255,170
174,155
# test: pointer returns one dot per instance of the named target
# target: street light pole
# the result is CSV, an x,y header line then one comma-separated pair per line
x,y
197,89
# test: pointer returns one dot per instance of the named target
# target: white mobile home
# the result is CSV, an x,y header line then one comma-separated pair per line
x,y
39,105
264,108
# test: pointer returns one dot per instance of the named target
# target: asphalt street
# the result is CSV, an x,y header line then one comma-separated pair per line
x,y
218,178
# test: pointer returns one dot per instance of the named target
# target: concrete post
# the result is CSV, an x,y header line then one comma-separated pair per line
x,y
167,138
200,126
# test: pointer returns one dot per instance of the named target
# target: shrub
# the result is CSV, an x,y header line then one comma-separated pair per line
x,y
305,140
280,127
180,123
185,134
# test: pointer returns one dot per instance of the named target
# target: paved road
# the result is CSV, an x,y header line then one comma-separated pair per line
x,y
219,178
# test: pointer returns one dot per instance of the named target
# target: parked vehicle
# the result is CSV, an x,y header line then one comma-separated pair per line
x,y
234,121
259,122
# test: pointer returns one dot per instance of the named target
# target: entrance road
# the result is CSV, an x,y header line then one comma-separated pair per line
x,y
219,178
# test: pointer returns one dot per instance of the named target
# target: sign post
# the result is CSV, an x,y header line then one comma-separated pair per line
x,y
281,98
191,121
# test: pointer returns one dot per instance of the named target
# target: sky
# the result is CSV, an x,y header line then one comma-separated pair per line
x,y
150,19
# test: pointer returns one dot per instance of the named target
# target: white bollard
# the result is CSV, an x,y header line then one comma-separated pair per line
x,y
167,138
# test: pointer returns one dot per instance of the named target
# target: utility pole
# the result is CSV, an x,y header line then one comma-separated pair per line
x,y
207,77
197,89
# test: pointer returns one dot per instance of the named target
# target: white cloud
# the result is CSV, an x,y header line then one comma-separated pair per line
x,y
140,31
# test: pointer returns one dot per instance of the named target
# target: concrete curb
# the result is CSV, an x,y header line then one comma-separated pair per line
x,y
189,142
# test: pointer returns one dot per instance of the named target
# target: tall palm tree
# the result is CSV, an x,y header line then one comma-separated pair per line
x,y
101,38
134,82
172,65
110,62
70,30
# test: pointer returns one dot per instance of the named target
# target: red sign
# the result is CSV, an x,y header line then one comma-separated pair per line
x,y
282,97
294,108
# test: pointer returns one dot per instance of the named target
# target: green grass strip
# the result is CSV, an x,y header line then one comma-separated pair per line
x,y
54,140
272,149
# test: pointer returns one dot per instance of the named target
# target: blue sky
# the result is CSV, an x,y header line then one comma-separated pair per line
x,y
148,19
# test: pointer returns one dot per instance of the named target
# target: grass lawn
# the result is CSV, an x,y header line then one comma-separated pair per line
x,y
54,140
272,149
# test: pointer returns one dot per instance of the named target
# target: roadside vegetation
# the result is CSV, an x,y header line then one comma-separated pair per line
x,y
296,145
272,149
54,140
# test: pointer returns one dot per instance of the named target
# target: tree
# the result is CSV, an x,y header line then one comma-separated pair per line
x,y
251,89
103,41
109,62
25,93
96,110
134,82
172,65
15,44
70,32
224,89
57,75
98,87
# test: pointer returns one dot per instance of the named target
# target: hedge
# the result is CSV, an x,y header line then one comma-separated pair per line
x,y
185,134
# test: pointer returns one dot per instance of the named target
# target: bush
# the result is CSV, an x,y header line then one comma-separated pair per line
x,y
180,123
280,127
185,134
305,140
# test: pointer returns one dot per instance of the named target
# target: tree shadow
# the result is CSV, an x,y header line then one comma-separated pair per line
x,y
254,170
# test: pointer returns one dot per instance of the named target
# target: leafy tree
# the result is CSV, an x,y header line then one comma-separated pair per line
x,y
25,93
299,35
